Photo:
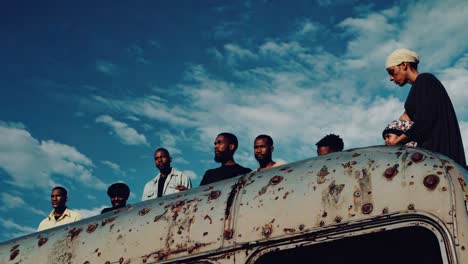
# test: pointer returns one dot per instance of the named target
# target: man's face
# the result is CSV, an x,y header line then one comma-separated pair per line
x,y
390,139
221,149
118,202
162,160
57,198
262,150
397,74
324,150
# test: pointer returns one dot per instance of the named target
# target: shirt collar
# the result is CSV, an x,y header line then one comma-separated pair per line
x,y
155,180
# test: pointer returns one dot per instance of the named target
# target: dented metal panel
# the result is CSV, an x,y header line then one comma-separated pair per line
x,y
225,222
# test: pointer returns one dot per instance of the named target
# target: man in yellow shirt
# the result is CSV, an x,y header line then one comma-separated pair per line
x,y
61,214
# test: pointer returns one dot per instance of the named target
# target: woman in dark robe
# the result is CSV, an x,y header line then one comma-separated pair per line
x,y
428,105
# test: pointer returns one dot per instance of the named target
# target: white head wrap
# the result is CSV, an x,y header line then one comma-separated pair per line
x,y
401,55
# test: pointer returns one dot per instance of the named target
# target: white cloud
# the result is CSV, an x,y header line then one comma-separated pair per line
x,y
12,225
191,174
126,134
114,166
85,213
31,163
11,201
106,67
236,53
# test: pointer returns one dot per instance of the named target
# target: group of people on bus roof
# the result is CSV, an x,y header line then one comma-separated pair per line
x,y
428,121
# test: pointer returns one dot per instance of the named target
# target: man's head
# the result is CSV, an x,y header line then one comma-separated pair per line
x,y
263,149
399,65
59,197
118,194
162,159
224,147
328,144
394,129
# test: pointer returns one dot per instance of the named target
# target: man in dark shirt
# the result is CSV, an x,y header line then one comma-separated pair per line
x,y
118,194
225,146
428,106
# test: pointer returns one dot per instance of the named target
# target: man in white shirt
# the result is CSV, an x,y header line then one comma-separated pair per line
x,y
61,214
168,180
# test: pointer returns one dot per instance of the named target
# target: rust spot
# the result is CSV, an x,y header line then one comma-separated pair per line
x,y
42,241
462,183
411,207
338,219
285,195
385,210
228,234
205,233
322,223
15,247
444,189
417,157
301,227
121,259
289,230
86,262
156,218
276,179
367,208
324,214
14,254
284,168
91,228
209,218
289,171
356,155
267,230
391,171
431,181
349,164
144,211
107,221
322,174
74,232
214,195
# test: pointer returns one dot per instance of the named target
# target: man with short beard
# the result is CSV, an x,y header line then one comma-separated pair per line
x,y
61,215
263,151
224,147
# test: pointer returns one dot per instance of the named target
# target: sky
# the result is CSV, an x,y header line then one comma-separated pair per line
x,y
89,89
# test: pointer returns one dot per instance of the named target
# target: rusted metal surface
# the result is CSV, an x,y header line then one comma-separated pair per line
x,y
230,218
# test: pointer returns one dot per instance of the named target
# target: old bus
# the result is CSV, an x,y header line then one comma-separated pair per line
x,y
368,205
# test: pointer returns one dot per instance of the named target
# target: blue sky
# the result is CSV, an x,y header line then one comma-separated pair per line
x,y
90,89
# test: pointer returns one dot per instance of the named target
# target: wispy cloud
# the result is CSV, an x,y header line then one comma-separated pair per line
x,y
85,213
126,134
114,166
106,67
12,201
18,230
31,163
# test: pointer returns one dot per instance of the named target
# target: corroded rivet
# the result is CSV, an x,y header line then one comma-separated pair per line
x,y
411,207
91,228
367,208
267,230
417,157
214,195
276,179
42,241
357,194
431,181
444,189
338,219
301,227
390,172
228,234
